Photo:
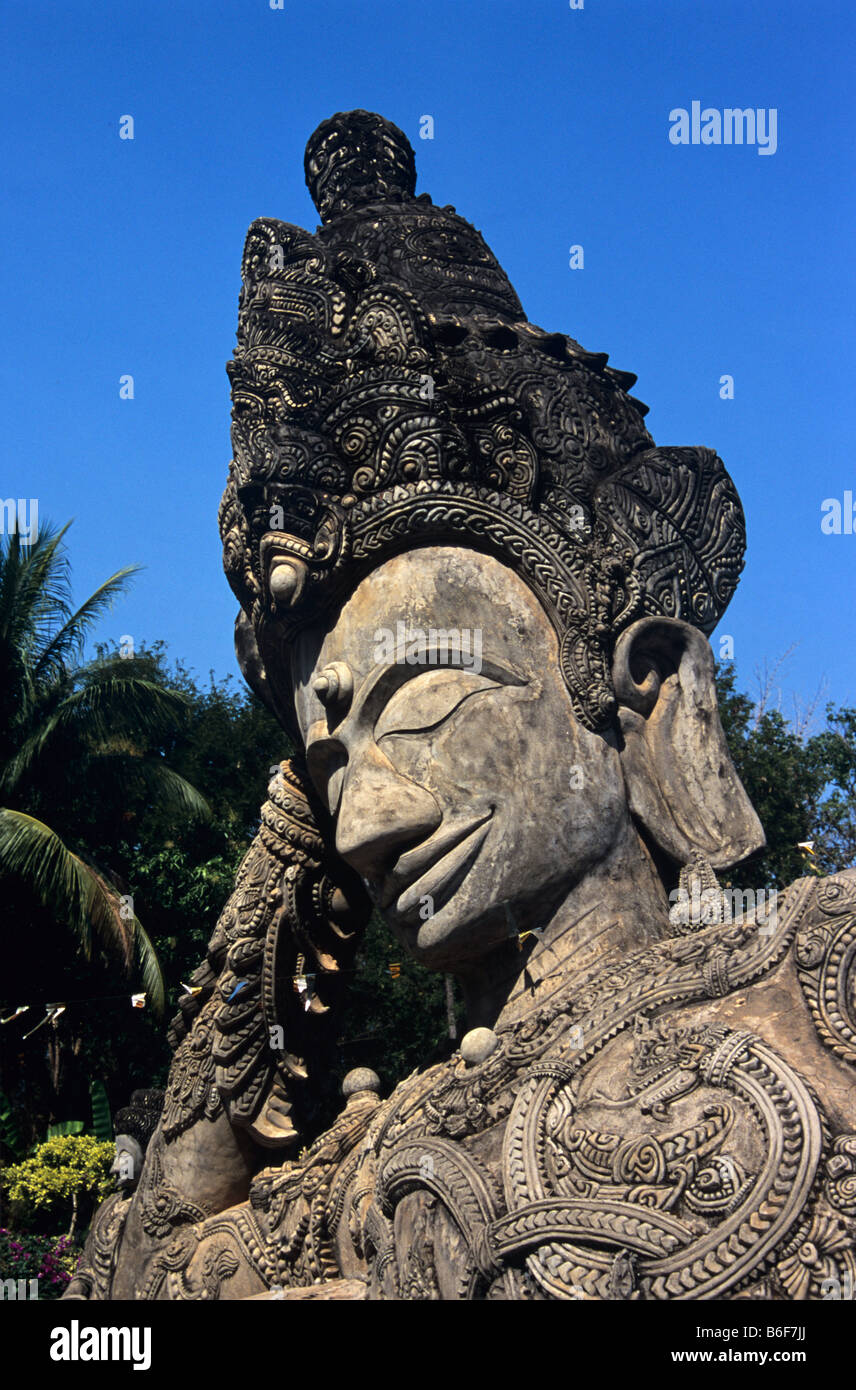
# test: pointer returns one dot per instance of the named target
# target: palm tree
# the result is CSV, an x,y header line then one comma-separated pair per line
x,y
74,732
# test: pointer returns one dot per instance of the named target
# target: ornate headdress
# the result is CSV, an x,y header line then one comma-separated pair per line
x,y
139,1118
389,393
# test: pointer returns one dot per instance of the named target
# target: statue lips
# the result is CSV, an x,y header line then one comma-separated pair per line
x,y
436,866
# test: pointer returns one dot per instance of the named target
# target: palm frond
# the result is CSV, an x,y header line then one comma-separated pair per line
x,y
150,969
31,751
150,779
142,947
68,641
72,891
172,791
35,588
105,709
78,894
110,701
102,1123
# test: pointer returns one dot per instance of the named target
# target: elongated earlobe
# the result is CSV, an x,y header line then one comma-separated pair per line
x,y
680,779
249,658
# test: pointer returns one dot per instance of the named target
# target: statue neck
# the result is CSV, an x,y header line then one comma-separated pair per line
x,y
618,907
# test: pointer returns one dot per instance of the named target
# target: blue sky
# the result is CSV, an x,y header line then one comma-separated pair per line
x,y
551,129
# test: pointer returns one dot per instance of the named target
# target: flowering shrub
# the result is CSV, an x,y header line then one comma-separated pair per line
x,y
50,1259
63,1181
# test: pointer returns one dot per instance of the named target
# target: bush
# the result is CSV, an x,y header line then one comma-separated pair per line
x,y
60,1185
50,1259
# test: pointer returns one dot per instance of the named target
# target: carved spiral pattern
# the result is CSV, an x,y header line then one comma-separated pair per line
x,y
643,1211
826,955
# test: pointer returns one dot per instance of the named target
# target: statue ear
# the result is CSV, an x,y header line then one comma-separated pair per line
x,y
250,661
680,779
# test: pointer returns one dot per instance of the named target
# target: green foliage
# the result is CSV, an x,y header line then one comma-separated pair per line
x,y
65,1127
772,765
834,811
804,789
76,737
82,761
225,746
102,1124
66,1173
10,1134
178,869
76,892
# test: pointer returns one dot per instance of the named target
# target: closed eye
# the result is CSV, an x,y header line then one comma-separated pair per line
x,y
428,700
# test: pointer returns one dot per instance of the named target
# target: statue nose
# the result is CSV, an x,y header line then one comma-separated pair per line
x,y
381,813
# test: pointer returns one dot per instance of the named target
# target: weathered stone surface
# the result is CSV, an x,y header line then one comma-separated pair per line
x,y
360,1079
333,1291
477,593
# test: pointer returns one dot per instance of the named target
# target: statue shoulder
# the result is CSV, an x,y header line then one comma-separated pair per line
x,y
827,889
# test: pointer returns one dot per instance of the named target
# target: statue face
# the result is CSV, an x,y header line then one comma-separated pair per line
x,y
441,737
127,1163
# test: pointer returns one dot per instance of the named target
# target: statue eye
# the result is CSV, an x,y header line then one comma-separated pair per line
x,y
428,699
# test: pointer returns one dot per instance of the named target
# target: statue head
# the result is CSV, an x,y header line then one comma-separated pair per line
x,y
134,1126
460,781
474,590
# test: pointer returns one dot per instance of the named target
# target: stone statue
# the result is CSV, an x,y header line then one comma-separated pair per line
x,y
133,1126
477,594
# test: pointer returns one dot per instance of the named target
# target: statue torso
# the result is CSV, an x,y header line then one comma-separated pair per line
x,y
681,1127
